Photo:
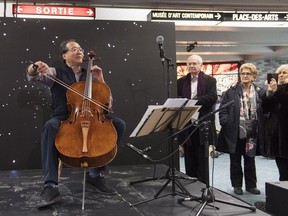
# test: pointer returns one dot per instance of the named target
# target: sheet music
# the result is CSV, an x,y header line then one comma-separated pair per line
x,y
191,103
178,102
187,114
158,117
189,111
146,115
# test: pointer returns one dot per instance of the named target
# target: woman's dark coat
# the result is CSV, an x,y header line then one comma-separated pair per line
x,y
276,137
230,120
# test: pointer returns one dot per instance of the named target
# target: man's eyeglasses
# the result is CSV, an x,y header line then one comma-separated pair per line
x,y
246,74
76,49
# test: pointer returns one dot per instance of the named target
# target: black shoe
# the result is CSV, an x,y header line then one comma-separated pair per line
x,y
253,190
98,184
238,190
49,196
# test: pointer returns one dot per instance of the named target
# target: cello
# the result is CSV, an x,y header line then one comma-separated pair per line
x,y
87,138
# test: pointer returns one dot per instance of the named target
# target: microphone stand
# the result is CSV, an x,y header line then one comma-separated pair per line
x,y
204,117
207,192
143,151
169,64
170,173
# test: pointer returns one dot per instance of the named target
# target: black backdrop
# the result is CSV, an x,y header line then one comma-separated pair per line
x,y
132,68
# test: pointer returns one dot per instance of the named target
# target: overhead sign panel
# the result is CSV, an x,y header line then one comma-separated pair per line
x,y
184,15
42,10
256,17
155,15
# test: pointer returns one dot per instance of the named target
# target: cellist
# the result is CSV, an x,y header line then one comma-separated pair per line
x,y
71,71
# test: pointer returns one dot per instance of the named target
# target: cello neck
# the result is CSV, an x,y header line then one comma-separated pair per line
x,y
88,82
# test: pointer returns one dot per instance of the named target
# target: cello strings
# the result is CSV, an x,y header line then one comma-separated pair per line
x,y
60,82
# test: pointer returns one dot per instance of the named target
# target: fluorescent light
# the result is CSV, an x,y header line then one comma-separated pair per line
x,y
253,24
196,23
190,23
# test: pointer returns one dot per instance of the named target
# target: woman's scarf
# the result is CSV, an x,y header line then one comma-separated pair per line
x,y
248,119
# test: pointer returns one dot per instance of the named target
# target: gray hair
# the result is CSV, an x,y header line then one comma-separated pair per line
x,y
282,68
195,57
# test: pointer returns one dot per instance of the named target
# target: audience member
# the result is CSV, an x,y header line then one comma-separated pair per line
x,y
275,102
201,87
242,131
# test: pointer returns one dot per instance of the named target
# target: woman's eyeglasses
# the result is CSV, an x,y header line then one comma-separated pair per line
x,y
245,74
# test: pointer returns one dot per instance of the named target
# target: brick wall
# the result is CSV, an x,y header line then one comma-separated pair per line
x,y
265,66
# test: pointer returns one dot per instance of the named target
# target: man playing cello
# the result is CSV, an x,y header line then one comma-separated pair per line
x,y
71,72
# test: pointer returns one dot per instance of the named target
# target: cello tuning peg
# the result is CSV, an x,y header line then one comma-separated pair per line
x,y
91,54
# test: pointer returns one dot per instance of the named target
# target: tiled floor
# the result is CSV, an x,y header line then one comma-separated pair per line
x,y
19,191
266,172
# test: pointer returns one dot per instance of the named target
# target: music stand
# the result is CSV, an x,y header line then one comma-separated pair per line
x,y
207,192
174,114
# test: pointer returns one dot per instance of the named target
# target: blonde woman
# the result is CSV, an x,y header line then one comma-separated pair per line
x,y
242,130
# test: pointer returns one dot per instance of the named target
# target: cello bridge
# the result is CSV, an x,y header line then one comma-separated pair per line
x,y
86,112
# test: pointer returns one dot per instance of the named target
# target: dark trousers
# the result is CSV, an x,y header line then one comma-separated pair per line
x,y
194,153
236,171
282,164
49,152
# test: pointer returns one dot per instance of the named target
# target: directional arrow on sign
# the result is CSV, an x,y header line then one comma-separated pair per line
x,y
89,12
218,16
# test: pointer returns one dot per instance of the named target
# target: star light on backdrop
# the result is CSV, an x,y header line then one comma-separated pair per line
x,y
132,71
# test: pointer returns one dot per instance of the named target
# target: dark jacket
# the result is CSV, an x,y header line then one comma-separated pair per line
x,y
58,92
206,89
276,137
230,120
206,97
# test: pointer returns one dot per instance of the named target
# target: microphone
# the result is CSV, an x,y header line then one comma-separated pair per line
x,y
135,149
147,149
211,113
226,105
139,151
180,200
160,41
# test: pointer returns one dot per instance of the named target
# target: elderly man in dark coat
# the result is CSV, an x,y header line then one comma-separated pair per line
x,y
201,87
